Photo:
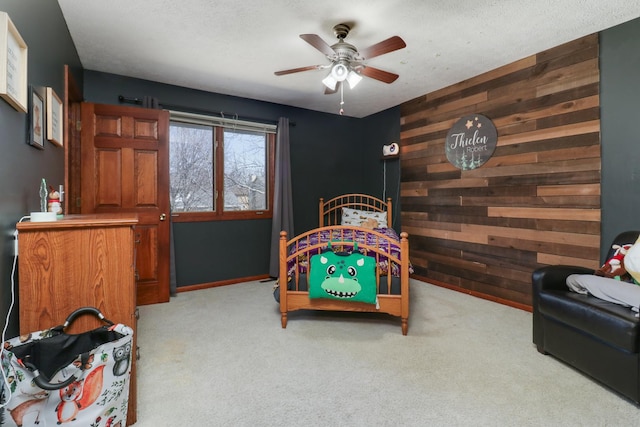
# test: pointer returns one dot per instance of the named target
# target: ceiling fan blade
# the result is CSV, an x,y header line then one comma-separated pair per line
x,y
378,74
315,41
297,70
328,91
385,46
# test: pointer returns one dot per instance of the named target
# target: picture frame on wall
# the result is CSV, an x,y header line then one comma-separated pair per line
x,y
13,65
54,118
37,125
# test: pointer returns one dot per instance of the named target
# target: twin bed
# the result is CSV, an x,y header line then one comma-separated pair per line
x,y
349,223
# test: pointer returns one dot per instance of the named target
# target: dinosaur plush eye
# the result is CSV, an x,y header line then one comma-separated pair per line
x,y
352,271
331,269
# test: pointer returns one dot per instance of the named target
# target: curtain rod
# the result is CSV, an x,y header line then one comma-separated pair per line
x,y
221,114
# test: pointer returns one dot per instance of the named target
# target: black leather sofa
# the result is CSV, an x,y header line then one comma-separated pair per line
x,y
599,338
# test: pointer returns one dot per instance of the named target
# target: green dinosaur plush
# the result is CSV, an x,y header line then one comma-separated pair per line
x,y
343,276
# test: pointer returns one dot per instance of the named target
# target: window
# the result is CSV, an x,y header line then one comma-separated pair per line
x,y
191,167
220,169
245,167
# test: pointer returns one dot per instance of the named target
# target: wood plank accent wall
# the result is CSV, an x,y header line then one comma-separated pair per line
x,y
535,202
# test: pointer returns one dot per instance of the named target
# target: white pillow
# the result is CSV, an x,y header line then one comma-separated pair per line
x,y
356,217
632,260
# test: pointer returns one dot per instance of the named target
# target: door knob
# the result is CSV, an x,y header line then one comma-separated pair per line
x,y
163,217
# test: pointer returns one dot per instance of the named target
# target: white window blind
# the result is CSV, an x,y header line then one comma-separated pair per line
x,y
230,123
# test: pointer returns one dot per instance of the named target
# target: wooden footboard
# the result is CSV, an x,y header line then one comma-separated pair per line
x,y
392,266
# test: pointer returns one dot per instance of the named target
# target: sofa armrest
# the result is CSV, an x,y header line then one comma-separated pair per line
x,y
551,277
555,276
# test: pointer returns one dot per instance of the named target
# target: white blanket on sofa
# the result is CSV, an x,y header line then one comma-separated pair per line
x,y
612,290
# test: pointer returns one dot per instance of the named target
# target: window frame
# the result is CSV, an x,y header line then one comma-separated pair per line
x,y
219,125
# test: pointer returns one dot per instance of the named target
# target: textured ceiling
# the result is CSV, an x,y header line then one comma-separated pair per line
x,y
234,47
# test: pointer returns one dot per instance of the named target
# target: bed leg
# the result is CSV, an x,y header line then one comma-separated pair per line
x,y
283,319
405,326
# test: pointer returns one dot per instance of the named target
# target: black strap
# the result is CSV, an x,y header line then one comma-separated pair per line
x,y
45,383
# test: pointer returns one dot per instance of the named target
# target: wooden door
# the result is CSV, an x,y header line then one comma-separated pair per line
x,y
125,168
72,98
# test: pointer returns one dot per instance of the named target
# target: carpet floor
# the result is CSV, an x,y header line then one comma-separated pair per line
x,y
219,357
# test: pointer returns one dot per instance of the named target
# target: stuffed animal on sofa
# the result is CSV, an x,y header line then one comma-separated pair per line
x,y
614,266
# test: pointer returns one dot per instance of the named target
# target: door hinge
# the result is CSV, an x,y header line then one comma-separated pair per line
x,y
78,202
78,125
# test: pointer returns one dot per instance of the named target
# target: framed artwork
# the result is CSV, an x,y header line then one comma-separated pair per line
x,y
36,121
13,65
54,117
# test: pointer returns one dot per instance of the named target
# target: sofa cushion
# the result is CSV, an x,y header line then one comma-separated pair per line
x,y
612,323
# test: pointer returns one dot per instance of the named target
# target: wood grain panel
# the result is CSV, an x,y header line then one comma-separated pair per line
x,y
146,178
442,109
546,213
147,266
569,190
107,126
535,202
108,161
567,260
145,129
554,132
555,109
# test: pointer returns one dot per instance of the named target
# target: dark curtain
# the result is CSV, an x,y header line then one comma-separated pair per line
x,y
282,199
150,102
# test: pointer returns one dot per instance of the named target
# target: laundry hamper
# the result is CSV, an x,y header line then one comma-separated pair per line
x,y
53,378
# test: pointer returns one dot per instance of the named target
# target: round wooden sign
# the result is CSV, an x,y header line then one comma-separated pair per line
x,y
471,141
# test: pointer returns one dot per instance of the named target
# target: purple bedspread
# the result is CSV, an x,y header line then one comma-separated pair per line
x,y
361,236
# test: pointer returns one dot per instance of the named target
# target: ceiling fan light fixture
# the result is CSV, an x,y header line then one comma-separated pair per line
x,y
330,82
347,62
353,79
339,72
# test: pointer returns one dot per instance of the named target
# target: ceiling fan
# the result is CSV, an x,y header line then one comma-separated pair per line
x,y
347,63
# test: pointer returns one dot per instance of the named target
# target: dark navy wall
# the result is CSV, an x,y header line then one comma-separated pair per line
x,y
385,175
330,155
620,135
41,25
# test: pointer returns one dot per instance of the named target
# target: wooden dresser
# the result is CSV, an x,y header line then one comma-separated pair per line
x,y
80,260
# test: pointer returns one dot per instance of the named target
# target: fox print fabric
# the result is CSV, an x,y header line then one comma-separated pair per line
x,y
97,396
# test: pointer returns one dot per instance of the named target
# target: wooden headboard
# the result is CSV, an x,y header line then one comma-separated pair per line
x,y
330,212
